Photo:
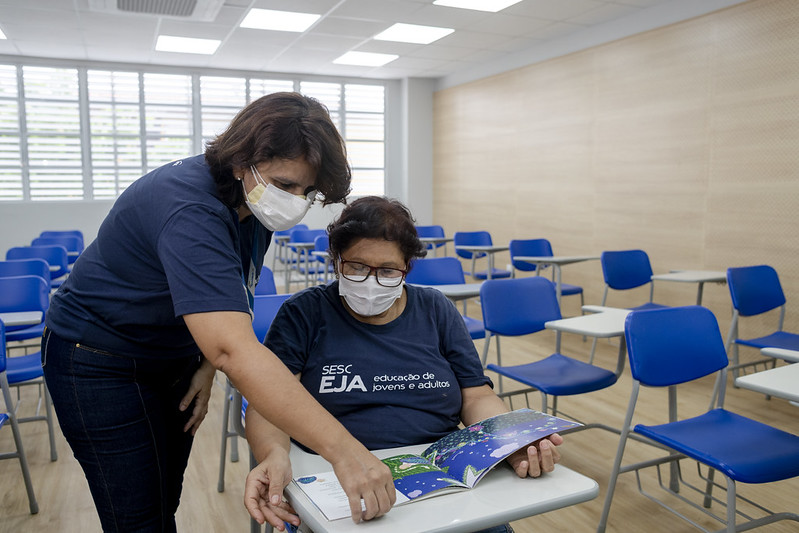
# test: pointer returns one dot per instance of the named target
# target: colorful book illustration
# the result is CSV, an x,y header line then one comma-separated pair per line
x,y
457,461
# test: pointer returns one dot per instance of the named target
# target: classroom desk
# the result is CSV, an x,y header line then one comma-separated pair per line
x,y
700,277
280,242
781,353
557,261
435,241
21,318
499,498
457,291
489,250
320,254
303,259
782,382
607,322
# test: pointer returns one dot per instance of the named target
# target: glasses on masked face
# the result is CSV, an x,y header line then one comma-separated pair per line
x,y
387,277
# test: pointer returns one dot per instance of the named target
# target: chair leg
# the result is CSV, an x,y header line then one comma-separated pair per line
x,y
48,408
730,505
220,485
33,505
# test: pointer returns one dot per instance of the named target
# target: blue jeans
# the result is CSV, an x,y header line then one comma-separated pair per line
x,y
120,417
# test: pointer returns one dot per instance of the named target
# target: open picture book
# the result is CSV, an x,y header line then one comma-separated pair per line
x,y
455,462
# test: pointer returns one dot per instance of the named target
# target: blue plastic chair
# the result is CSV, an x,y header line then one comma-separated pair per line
x,y
304,263
10,417
677,345
24,293
444,271
266,282
27,293
68,233
477,238
624,270
73,244
432,231
517,307
538,247
55,255
756,290
281,254
265,307
322,244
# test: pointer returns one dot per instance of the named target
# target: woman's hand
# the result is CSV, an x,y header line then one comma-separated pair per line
x,y
200,392
537,458
365,477
263,491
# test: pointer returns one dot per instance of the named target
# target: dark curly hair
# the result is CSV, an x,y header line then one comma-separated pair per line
x,y
282,126
375,217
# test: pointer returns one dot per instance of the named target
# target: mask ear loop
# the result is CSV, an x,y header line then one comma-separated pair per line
x,y
257,175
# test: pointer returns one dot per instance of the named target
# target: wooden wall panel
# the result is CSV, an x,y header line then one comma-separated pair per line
x,y
683,141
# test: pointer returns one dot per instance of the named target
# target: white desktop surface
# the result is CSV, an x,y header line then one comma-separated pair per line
x,y
607,323
499,498
456,291
693,276
782,381
782,353
21,318
555,259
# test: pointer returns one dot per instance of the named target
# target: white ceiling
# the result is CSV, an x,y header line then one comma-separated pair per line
x,y
70,29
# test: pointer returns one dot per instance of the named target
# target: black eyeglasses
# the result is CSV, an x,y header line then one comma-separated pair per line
x,y
387,277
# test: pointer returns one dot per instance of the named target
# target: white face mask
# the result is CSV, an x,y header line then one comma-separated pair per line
x,y
368,297
275,208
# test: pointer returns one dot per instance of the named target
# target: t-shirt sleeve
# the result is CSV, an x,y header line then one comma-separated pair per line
x,y
289,334
457,345
197,249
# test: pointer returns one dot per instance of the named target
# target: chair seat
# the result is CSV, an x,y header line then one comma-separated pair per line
x,y
568,290
496,273
731,443
476,328
778,339
24,368
648,305
559,375
25,333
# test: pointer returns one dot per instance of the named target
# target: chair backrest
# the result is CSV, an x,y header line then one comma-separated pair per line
x,y
70,242
68,233
673,345
431,231
54,254
265,307
518,306
266,283
436,271
626,269
321,243
471,238
288,231
528,247
305,235
24,293
34,266
755,289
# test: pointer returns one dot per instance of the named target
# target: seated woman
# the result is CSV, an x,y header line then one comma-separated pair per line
x,y
362,345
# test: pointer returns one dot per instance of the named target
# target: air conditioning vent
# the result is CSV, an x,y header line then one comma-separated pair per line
x,y
175,8
199,10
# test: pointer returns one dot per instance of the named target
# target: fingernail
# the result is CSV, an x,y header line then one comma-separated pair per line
x,y
275,499
545,445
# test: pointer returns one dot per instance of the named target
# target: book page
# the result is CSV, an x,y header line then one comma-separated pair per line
x,y
327,494
416,478
467,454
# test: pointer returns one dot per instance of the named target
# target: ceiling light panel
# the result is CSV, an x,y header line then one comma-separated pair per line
x,y
186,45
268,19
365,59
491,6
413,33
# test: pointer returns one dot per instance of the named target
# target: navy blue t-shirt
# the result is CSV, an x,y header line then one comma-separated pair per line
x,y
391,385
168,247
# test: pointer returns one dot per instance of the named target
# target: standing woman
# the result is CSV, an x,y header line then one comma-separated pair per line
x,y
162,299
